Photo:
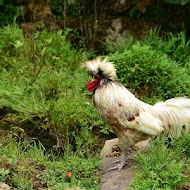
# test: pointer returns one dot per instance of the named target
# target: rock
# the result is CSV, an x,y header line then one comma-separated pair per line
x,y
114,179
109,146
4,186
143,145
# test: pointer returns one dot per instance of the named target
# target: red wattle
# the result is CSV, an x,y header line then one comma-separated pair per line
x,y
93,84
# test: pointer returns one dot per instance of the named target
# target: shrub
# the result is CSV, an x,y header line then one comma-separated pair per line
x,y
11,42
150,73
58,50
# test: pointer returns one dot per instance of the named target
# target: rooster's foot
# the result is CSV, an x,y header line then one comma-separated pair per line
x,y
128,158
118,167
116,161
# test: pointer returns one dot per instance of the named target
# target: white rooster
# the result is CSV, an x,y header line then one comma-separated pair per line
x,y
131,119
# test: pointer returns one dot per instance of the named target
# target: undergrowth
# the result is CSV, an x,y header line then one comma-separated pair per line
x,y
164,166
42,83
27,165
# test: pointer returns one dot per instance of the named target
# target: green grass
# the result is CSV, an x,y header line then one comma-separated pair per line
x,y
55,168
159,168
163,167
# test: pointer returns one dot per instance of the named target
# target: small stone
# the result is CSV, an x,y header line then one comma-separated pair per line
x,y
143,145
108,146
115,148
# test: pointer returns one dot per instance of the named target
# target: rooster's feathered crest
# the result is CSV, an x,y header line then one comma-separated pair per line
x,y
100,68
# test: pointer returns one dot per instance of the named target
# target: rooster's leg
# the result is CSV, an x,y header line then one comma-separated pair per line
x,y
122,161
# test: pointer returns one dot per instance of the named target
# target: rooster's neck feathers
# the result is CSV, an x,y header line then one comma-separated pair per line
x,y
100,68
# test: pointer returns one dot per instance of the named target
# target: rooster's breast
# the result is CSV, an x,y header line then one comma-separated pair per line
x,y
108,100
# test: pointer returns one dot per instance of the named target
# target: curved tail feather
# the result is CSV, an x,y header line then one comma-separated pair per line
x,y
175,114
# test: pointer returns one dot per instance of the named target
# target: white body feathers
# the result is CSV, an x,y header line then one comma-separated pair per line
x,y
167,117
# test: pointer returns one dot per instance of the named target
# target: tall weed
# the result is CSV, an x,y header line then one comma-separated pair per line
x,y
175,46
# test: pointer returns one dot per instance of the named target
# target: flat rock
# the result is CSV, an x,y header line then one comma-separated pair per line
x,y
114,179
4,186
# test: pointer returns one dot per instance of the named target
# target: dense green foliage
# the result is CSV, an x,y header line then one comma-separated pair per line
x,y
153,67
41,78
8,11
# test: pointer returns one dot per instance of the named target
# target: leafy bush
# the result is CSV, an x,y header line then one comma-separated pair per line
x,y
11,40
54,46
150,73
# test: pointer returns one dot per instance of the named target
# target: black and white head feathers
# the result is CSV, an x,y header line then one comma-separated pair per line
x,y
100,68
